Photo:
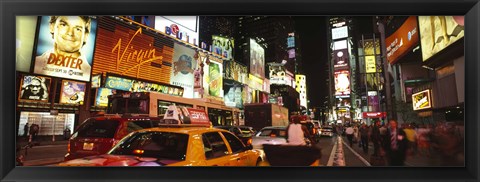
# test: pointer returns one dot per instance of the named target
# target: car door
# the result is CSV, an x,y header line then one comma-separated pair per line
x,y
238,154
216,150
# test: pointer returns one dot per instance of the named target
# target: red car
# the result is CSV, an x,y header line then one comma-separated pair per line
x,y
97,135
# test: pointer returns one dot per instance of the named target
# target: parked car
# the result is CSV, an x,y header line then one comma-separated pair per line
x,y
245,133
275,135
175,145
327,131
97,135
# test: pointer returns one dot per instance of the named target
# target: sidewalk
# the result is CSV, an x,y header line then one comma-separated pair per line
x,y
42,142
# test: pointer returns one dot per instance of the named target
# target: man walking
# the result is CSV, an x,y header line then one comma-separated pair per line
x,y
395,144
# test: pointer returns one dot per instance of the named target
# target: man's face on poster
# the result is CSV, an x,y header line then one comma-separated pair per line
x,y
69,33
35,87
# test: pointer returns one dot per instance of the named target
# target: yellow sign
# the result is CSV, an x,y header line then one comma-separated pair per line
x,y
370,64
421,100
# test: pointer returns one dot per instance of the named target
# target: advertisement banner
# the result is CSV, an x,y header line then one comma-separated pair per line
x,y
342,82
65,46
255,82
214,79
96,81
185,28
72,92
291,53
223,46
132,51
183,69
101,98
290,42
341,59
235,71
126,84
421,100
338,33
404,39
438,32
233,94
373,103
370,64
257,59
34,88
25,38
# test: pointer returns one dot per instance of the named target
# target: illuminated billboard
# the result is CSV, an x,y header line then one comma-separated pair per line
x,y
65,46
96,81
131,51
183,67
342,82
25,38
370,64
341,59
101,98
338,33
185,28
34,88
233,94
290,42
126,84
438,32
72,92
421,100
223,46
403,40
235,71
257,59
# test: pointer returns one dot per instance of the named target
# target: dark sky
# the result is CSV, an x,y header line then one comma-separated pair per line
x,y
313,42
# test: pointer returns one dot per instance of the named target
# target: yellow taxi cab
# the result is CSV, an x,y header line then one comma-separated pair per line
x,y
189,141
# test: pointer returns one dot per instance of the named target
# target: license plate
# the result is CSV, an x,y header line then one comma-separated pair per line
x,y
87,146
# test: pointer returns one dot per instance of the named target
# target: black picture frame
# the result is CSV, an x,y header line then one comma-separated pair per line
x,y
9,9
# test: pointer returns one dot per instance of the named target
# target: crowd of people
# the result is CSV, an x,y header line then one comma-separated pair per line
x,y
395,142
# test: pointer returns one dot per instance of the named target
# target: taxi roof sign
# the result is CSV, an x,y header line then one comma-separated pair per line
x,y
184,115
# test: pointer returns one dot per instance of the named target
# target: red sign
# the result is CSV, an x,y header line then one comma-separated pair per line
x,y
175,29
404,38
198,116
374,114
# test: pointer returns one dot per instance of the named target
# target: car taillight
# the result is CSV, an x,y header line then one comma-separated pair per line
x,y
249,142
68,147
138,151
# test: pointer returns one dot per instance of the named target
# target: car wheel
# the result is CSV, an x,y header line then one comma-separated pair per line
x,y
259,161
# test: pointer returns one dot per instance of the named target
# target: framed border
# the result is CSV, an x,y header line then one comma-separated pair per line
x,y
10,8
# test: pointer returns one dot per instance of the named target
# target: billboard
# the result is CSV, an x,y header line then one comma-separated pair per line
x,y
213,79
25,38
223,46
96,81
403,40
257,59
340,32
183,69
280,76
34,88
235,71
101,98
438,32
341,59
125,84
132,51
72,92
341,44
370,64
185,28
290,42
291,53
233,94
65,46
421,100
342,82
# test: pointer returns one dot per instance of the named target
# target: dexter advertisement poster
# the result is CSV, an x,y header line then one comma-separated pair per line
x,y
183,67
257,59
438,32
72,92
34,88
65,46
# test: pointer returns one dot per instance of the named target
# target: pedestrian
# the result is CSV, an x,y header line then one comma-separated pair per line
x,y
349,132
296,132
411,137
364,137
395,144
423,140
25,130
356,137
34,128
375,137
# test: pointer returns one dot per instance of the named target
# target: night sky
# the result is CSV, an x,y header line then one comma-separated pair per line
x,y
313,42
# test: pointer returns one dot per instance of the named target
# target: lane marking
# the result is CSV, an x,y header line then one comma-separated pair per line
x,y
356,154
332,154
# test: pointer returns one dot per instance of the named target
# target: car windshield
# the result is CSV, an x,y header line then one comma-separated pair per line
x,y
98,128
161,145
273,133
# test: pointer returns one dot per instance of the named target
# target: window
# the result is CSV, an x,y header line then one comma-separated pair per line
x,y
162,145
214,145
138,125
236,145
100,129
